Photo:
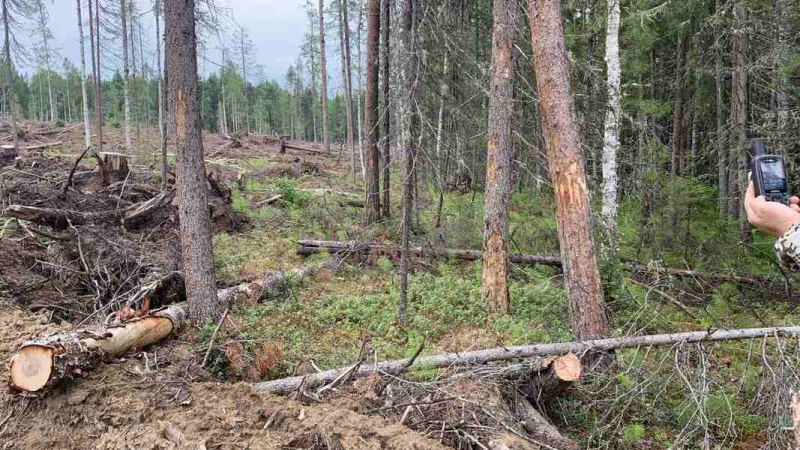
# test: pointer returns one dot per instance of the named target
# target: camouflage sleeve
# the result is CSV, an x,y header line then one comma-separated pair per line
x,y
788,248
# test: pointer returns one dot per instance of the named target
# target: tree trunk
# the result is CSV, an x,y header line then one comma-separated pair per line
x,y
783,81
386,56
126,76
43,17
611,142
161,124
722,149
98,83
566,170
372,203
198,258
498,159
738,125
407,95
326,134
360,100
10,78
677,115
344,34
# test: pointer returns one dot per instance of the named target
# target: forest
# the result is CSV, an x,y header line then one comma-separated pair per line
x,y
488,224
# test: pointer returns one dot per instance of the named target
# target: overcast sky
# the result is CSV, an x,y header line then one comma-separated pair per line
x,y
276,28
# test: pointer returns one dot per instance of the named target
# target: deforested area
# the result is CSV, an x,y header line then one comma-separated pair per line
x,y
399,224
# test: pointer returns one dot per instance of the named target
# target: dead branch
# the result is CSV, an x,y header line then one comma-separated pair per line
x,y
214,337
72,171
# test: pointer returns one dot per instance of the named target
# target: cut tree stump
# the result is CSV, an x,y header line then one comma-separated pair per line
x,y
47,361
556,376
287,385
116,161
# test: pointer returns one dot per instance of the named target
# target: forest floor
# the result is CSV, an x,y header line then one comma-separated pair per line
x,y
729,395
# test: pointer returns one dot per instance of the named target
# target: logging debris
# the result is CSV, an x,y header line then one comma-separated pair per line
x,y
101,246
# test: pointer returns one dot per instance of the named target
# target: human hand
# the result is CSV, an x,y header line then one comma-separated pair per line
x,y
772,218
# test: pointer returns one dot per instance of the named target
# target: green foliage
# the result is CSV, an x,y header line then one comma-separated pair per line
x,y
633,432
291,196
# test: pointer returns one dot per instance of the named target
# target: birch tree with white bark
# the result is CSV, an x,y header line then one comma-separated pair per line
x,y
611,142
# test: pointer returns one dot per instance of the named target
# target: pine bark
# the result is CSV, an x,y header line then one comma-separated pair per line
x,y
372,204
87,129
407,136
722,149
738,147
678,147
326,134
126,76
344,41
498,159
567,172
10,78
386,57
198,259
611,142
98,87
157,11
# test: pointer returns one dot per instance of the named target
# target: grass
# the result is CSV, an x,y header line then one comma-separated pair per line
x,y
642,402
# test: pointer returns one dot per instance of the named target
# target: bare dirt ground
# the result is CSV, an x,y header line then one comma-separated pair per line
x,y
156,398
146,399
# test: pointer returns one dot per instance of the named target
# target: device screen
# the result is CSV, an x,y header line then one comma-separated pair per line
x,y
774,176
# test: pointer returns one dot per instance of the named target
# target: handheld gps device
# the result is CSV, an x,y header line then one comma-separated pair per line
x,y
768,174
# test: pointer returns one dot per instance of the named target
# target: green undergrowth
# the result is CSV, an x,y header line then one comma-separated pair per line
x,y
643,401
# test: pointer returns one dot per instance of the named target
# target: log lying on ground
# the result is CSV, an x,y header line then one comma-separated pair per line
x,y
539,427
304,149
58,219
277,286
45,362
43,146
140,214
308,247
288,385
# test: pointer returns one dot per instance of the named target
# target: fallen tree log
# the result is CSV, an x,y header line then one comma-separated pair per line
x,y
140,214
43,146
308,247
539,427
304,149
278,285
58,219
288,385
47,361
